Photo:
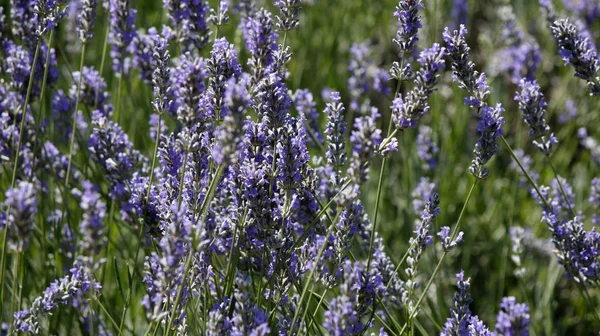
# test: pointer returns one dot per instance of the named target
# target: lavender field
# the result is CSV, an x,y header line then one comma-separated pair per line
x,y
300,167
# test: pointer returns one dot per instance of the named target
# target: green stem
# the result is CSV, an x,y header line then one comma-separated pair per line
x,y
13,299
531,181
42,105
102,63
560,186
379,184
74,125
439,264
14,172
117,116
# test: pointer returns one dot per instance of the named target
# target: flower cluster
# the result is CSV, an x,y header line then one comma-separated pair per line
x,y
532,103
577,50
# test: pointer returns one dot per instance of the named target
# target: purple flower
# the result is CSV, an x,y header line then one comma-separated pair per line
x,y
221,67
446,240
521,56
463,70
86,19
460,12
421,194
306,106
490,129
189,19
61,292
220,17
409,22
513,318
426,148
290,9
261,41
336,132
19,218
111,149
161,76
24,21
122,33
347,312
460,316
407,112
92,227
595,199
143,55
365,139
228,135
576,50
418,245
532,103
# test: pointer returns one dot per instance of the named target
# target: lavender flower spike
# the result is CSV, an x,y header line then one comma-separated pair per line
x,y
85,19
489,128
513,318
290,9
409,22
419,243
577,50
457,323
463,70
532,103
161,76
19,220
406,112
60,292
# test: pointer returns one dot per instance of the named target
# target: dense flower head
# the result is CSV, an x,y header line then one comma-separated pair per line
x,y
92,226
407,111
520,57
418,245
490,129
290,9
122,32
513,318
463,70
86,19
365,139
221,67
62,291
306,106
409,22
189,19
48,13
335,132
228,135
111,149
347,312
221,16
24,21
161,76
261,41
460,315
92,91
576,50
576,249
427,149
533,104
460,12
18,218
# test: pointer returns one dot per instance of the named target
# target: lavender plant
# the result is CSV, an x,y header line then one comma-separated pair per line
x,y
199,187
